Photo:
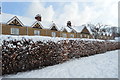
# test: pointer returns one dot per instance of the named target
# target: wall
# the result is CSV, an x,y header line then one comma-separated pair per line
x,y
6,30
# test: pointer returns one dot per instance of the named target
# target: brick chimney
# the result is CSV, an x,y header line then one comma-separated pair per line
x,y
69,24
38,17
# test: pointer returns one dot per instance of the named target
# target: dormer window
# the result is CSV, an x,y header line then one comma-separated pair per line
x,y
37,26
54,28
15,31
15,21
64,35
53,34
72,35
36,32
64,30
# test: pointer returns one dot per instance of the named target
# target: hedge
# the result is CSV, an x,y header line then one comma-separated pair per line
x,y
23,55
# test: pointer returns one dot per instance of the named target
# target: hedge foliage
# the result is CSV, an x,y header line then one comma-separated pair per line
x,y
23,55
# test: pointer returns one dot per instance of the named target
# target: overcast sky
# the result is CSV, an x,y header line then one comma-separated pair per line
x,y
78,12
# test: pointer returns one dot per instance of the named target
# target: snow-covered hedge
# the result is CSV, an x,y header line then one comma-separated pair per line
x,y
23,55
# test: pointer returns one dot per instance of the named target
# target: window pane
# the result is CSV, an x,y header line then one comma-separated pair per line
x,y
53,34
14,31
36,32
81,35
72,35
64,35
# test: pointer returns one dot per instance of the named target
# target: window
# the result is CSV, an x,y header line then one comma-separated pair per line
x,y
81,35
53,34
64,35
72,35
36,32
15,31
88,36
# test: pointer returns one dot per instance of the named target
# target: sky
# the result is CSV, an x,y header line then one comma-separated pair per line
x,y
78,12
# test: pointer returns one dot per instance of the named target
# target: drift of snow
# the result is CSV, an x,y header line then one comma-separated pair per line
x,y
97,66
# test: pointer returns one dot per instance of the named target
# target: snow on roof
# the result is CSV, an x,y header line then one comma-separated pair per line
x,y
26,21
67,28
38,23
38,15
89,29
78,28
6,17
45,24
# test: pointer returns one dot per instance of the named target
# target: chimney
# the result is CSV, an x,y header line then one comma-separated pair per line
x,y
38,17
69,24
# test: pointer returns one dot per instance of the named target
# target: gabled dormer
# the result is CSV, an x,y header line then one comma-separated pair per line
x,y
54,27
85,30
64,30
73,31
37,24
15,21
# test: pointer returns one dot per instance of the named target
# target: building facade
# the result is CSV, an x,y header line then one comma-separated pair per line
x,y
16,25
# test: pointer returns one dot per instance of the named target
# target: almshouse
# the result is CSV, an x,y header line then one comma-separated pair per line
x,y
17,25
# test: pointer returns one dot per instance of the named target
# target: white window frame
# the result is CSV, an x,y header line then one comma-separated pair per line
x,y
64,35
36,32
53,34
88,36
15,31
81,35
72,35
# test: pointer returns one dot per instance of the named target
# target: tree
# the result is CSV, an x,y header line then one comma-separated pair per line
x,y
97,30
114,31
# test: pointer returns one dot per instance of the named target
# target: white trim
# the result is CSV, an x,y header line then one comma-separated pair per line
x,y
64,29
74,30
15,17
53,34
81,35
64,35
38,23
14,31
36,32
72,35
55,26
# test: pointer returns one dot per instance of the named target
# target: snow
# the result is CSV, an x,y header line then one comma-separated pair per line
x,y
38,23
97,66
53,24
117,39
89,29
44,38
46,24
78,28
26,21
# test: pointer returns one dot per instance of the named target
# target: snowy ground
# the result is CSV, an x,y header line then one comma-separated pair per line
x,y
97,66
